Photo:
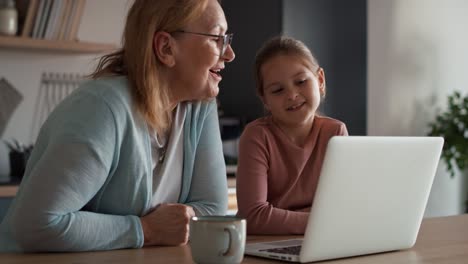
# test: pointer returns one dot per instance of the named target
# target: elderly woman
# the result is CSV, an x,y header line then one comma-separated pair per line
x,y
129,157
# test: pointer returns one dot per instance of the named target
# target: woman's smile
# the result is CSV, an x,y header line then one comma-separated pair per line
x,y
216,74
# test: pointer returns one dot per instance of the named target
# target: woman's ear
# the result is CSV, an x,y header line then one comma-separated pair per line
x,y
163,47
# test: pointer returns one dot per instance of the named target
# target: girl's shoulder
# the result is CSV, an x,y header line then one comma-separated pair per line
x,y
259,126
329,124
328,121
260,129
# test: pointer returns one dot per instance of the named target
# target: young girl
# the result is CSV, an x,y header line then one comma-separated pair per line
x,y
281,155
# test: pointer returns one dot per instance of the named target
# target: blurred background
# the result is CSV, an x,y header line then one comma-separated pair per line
x,y
390,66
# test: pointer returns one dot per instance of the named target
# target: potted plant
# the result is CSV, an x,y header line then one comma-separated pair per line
x,y
452,125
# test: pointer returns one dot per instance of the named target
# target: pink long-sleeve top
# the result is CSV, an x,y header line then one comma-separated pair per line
x,y
276,179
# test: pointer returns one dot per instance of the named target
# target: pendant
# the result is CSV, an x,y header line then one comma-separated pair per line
x,y
162,155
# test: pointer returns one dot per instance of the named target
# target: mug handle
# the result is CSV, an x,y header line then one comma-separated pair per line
x,y
234,240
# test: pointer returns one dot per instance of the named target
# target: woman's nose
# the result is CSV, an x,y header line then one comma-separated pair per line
x,y
229,54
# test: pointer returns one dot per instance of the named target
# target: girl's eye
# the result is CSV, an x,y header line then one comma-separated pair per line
x,y
277,90
300,82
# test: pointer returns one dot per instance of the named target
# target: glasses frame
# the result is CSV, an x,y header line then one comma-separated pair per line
x,y
227,38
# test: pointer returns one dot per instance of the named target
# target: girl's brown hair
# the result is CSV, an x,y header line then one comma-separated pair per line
x,y
136,58
282,45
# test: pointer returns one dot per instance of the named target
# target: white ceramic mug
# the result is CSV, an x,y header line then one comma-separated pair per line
x,y
217,239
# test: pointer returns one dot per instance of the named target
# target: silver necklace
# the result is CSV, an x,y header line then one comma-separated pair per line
x,y
162,155
161,144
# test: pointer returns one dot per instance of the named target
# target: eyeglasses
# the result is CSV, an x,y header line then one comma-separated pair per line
x,y
227,39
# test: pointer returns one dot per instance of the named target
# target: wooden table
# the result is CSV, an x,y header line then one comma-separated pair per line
x,y
441,240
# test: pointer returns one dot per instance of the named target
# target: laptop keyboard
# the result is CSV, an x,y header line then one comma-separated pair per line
x,y
294,250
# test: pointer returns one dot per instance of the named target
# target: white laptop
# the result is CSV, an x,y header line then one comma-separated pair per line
x,y
370,198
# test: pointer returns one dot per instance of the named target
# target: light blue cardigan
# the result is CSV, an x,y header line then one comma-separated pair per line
x,y
93,202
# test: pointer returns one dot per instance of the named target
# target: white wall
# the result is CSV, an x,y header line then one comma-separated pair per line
x,y
102,21
417,55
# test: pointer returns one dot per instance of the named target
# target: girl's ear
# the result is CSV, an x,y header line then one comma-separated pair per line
x,y
321,81
265,105
164,46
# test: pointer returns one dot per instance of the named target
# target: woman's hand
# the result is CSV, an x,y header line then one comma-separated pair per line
x,y
167,225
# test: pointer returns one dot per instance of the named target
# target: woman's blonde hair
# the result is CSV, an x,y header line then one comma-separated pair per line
x,y
282,45
136,58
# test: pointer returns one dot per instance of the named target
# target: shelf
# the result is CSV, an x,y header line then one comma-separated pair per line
x,y
54,45
8,186
8,191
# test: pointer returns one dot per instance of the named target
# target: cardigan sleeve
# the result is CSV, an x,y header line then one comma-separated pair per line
x,y
72,162
208,189
252,191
